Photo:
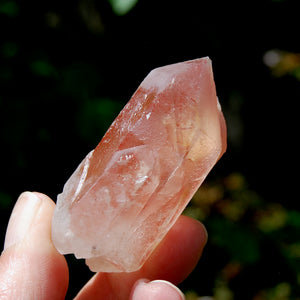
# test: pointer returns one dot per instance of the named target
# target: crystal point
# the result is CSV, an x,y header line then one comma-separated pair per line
x,y
127,193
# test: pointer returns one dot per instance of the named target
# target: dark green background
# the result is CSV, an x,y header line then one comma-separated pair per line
x,y
68,67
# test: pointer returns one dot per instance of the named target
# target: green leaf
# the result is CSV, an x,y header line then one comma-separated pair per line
x,y
43,68
122,7
9,8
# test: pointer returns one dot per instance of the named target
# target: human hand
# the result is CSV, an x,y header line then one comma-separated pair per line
x,y
32,268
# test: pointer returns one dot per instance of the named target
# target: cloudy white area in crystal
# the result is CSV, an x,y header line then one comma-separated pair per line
x,y
127,193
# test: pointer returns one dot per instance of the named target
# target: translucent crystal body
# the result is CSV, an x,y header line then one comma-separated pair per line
x,y
127,193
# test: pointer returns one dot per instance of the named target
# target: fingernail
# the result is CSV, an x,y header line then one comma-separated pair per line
x,y
174,287
21,218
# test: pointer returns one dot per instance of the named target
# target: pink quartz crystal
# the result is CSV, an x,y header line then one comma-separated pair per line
x,y
128,192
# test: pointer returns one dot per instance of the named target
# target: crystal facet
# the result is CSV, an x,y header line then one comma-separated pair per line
x,y
127,193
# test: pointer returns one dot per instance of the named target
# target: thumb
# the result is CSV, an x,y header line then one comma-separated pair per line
x,y
30,266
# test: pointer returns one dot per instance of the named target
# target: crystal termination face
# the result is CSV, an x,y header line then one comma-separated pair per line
x,y
128,192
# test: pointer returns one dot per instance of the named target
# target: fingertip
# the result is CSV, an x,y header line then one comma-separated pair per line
x,y
44,197
30,264
156,289
195,228
22,218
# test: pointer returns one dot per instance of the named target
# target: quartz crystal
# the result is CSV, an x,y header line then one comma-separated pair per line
x,y
128,192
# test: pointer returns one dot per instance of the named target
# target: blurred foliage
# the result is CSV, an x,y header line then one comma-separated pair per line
x,y
96,116
43,68
283,62
67,69
122,7
248,231
9,8
5,200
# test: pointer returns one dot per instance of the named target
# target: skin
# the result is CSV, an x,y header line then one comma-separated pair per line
x,y
32,268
